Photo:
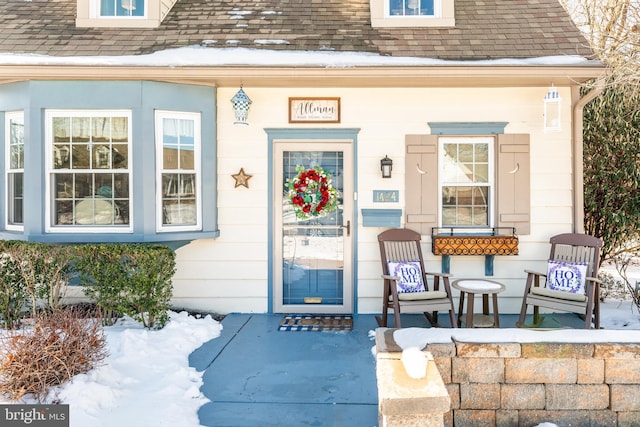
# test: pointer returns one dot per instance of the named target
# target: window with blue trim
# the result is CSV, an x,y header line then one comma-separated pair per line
x,y
134,171
122,8
14,129
466,181
88,170
178,171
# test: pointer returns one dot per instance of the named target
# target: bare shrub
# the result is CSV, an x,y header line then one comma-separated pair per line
x,y
59,345
611,286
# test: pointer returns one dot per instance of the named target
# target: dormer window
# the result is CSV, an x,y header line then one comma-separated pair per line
x,y
411,8
412,13
122,13
131,8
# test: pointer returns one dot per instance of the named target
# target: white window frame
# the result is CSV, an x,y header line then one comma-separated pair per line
x,y
50,227
9,117
443,17
96,6
181,115
491,141
437,11
88,15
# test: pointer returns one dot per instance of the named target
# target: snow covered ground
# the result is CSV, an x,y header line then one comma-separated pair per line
x,y
147,381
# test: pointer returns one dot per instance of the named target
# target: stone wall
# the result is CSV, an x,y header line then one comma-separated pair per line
x,y
525,384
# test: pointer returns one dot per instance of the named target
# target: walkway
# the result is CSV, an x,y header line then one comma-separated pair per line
x,y
257,376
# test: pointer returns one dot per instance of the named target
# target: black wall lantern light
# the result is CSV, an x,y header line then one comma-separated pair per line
x,y
386,165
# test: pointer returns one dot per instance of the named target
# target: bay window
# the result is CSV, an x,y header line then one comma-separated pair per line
x,y
108,161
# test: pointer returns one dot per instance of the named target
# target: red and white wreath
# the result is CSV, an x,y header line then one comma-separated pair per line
x,y
311,193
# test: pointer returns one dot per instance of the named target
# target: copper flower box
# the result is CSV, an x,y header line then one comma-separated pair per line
x,y
465,244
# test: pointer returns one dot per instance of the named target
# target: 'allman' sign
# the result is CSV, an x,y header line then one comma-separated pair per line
x,y
314,110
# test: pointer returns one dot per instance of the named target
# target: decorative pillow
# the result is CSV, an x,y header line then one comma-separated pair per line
x,y
410,275
567,276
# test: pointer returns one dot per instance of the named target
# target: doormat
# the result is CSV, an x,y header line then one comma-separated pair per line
x,y
315,323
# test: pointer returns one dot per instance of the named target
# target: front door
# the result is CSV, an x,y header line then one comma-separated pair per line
x,y
313,227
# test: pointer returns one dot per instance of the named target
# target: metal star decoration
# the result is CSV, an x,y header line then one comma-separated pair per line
x,y
242,179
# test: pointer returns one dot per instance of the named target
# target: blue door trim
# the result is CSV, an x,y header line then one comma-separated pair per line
x,y
297,134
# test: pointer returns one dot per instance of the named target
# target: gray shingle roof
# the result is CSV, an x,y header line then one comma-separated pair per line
x,y
485,29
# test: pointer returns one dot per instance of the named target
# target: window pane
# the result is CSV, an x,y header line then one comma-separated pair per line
x,y
465,153
449,216
100,129
119,129
16,156
61,156
120,156
101,157
61,129
187,159
83,184
170,158
179,202
481,173
449,196
464,195
463,216
108,7
80,128
64,212
16,143
481,196
63,184
482,153
121,185
16,198
480,216
80,156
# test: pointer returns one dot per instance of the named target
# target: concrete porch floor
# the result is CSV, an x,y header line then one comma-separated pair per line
x,y
257,376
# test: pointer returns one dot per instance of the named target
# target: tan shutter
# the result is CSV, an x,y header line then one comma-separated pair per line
x,y
421,189
513,182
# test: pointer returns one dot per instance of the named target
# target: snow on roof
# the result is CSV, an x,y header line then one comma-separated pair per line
x,y
206,56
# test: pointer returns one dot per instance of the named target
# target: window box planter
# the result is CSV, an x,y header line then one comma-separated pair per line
x,y
455,241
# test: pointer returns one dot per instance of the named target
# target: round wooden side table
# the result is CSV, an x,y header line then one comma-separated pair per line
x,y
485,288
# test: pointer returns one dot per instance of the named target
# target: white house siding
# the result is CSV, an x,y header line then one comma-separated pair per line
x,y
230,273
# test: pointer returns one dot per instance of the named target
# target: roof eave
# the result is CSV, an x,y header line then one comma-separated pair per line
x,y
310,76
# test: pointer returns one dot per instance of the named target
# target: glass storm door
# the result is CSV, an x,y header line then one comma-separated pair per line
x,y
313,243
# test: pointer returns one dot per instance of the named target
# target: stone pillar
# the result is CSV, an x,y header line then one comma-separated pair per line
x,y
404,401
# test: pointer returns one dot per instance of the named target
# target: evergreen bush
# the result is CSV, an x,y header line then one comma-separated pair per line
x,y
128,279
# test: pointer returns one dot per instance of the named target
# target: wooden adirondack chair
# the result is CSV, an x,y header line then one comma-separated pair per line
x,y
574,250
400,251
